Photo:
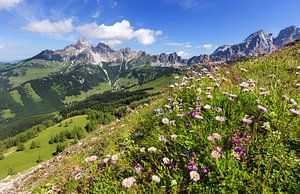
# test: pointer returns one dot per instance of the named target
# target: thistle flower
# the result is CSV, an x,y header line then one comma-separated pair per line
x,y
155,178
220,118
128,182
215,154
166,160
194,176
152,149
165,121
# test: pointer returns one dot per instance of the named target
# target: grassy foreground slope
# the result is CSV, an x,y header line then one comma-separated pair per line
x,y
231,130
20,161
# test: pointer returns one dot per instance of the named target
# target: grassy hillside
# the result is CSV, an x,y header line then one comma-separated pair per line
x,y
18,161
235,130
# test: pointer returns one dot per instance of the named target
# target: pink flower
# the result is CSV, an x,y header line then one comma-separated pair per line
x,y
220,118
295,112
262,109
166,160
128,182
194,176
247,120
215,154
218,109
216,136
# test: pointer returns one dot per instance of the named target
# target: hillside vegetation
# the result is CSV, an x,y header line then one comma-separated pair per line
x,y
224,130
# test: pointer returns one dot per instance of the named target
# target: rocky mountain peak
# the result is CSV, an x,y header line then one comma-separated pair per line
x,y
287,35
101,47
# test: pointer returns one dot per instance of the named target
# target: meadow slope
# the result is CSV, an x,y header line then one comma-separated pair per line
x,y
233,129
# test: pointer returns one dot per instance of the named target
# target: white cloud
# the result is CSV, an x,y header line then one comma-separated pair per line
x,y
7,4
118,33
2,46
179,44
206,46
96,15
47,27
184,54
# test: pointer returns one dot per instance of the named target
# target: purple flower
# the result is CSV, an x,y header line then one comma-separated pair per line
x,y
162,138
194,155
187,153
192,165
188,124
205,170
138,168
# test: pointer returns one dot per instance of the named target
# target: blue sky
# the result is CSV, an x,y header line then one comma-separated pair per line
x,y
190,27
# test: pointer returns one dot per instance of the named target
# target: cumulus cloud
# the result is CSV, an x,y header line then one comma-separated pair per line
x,y
206,46
7,4
48,27
118,33
180,44
184,54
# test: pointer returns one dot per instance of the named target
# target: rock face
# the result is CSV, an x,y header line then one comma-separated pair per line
x,y
258,43
287,35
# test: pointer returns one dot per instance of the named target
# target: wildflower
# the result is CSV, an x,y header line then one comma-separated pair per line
x,y
266,125
128,182
173,136
138,168
210,138
192,165
293,101
196,115
166,160
194,176
152,149
188,124
216,136
247,120
114,158
295,112
155,178
217,148
194,155
142,150
220,118
233,95
162,138
91,158
209,96
173,182
199,90
264,93
187,153
207,107
262,109
218,109
244,85
215,154
105,160
205,170
168,106
165,121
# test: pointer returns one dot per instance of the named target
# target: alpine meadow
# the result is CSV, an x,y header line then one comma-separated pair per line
x,y
165,96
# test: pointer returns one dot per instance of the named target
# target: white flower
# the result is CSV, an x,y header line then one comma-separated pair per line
x,y
165,121
173,136
152,149
207,107
155,178
173,182
166,160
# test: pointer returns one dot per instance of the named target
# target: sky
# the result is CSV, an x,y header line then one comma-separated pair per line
x,y
188,27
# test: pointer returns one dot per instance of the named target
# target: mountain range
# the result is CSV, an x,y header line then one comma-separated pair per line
x,y
257,43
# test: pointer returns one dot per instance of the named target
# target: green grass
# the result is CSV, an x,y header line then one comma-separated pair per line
x,y
157,84
102,87
31,93
16,97
20,161
33,70
258,157
7,114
